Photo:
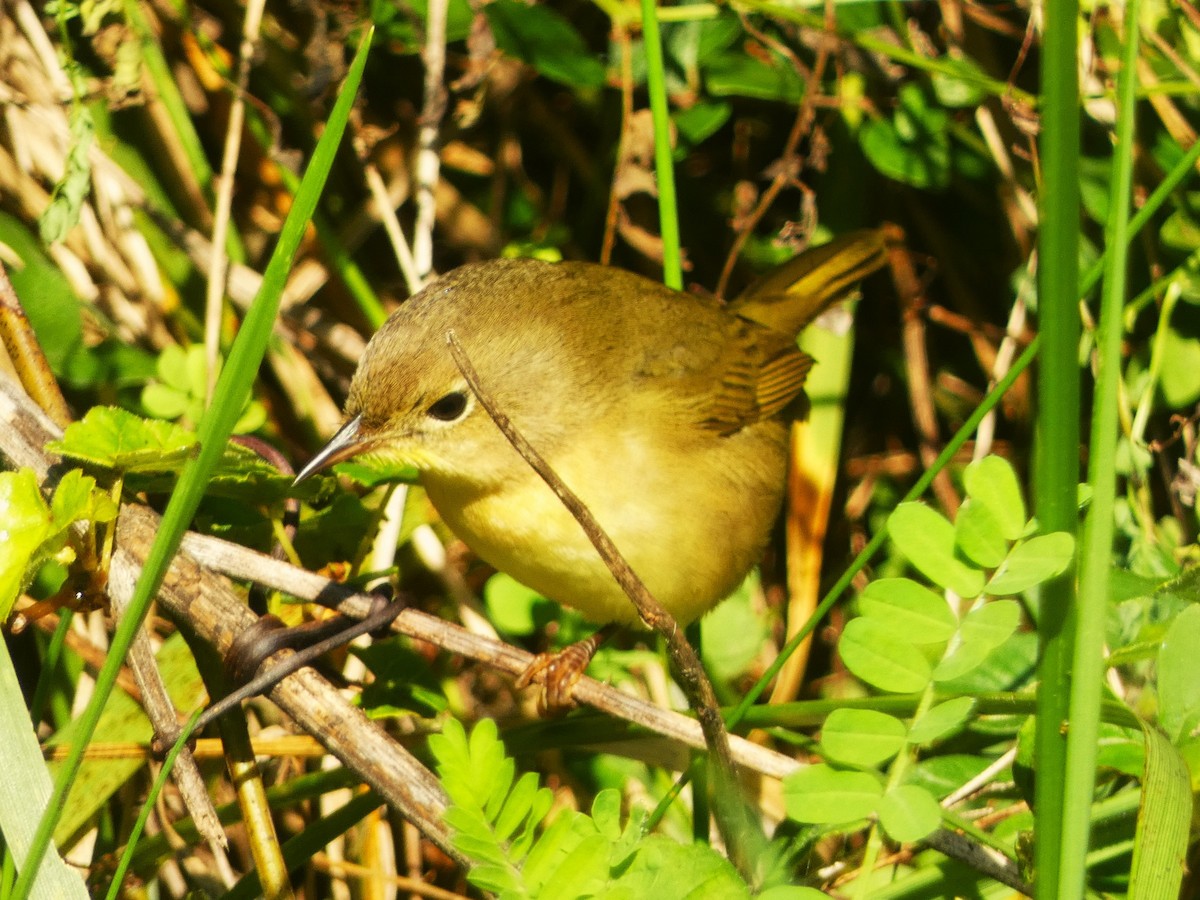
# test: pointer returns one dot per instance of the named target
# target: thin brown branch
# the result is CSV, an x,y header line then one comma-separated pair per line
x,y
241,563
433,55
27,357
731,813
611,218
214,295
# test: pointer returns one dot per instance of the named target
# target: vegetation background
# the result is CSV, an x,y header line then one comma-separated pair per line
x,y
1010,144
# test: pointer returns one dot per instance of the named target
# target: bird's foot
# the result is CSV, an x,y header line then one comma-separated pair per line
x,y
557,673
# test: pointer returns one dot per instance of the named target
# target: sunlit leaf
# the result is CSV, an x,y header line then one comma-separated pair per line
x,y
941,720
928,540
992,482
911,611
872,652
861,737
1031,562
824,795
909,813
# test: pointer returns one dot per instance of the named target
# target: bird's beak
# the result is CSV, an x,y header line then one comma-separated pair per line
x,y
343,445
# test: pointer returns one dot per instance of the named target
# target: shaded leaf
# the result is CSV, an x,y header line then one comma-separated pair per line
x,y
1179,675
737,74
912,146
701,121
543,38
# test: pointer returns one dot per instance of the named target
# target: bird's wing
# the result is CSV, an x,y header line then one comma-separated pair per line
x,y
759,375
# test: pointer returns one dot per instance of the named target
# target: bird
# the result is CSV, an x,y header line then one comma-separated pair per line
x,y
665,412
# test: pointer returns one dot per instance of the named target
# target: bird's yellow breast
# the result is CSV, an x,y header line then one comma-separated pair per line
x,y
691,517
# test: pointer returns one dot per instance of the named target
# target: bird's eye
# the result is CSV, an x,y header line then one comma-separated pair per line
x,y
449,407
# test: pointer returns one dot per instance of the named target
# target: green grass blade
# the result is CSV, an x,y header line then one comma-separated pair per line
x,y
1095,563
1056,471
185,735
25,787
664,166
233,387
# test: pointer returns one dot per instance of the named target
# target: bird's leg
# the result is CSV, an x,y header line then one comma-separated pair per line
x,y
559,672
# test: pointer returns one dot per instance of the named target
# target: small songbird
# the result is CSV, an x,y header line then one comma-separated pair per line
x,y
666,413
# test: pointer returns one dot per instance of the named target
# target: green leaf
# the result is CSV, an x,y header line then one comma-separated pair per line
x,y
517,805
733,634
566,833
195,363
76,498
737,74
56,317
496,878
25,524
511,606
1164,815
941,720
404,25
911,610
606,813
943,774
928,540
861,737
582,872
982,631
544,39
66,203
823,795
954,90
873,653
1180,379
1031,562
665,869
1009,667
718,34
31,532
373,471
701,121
163,401
1179,675
172,368
909,813
992,482
1181,231
978,535
116,439
912,147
